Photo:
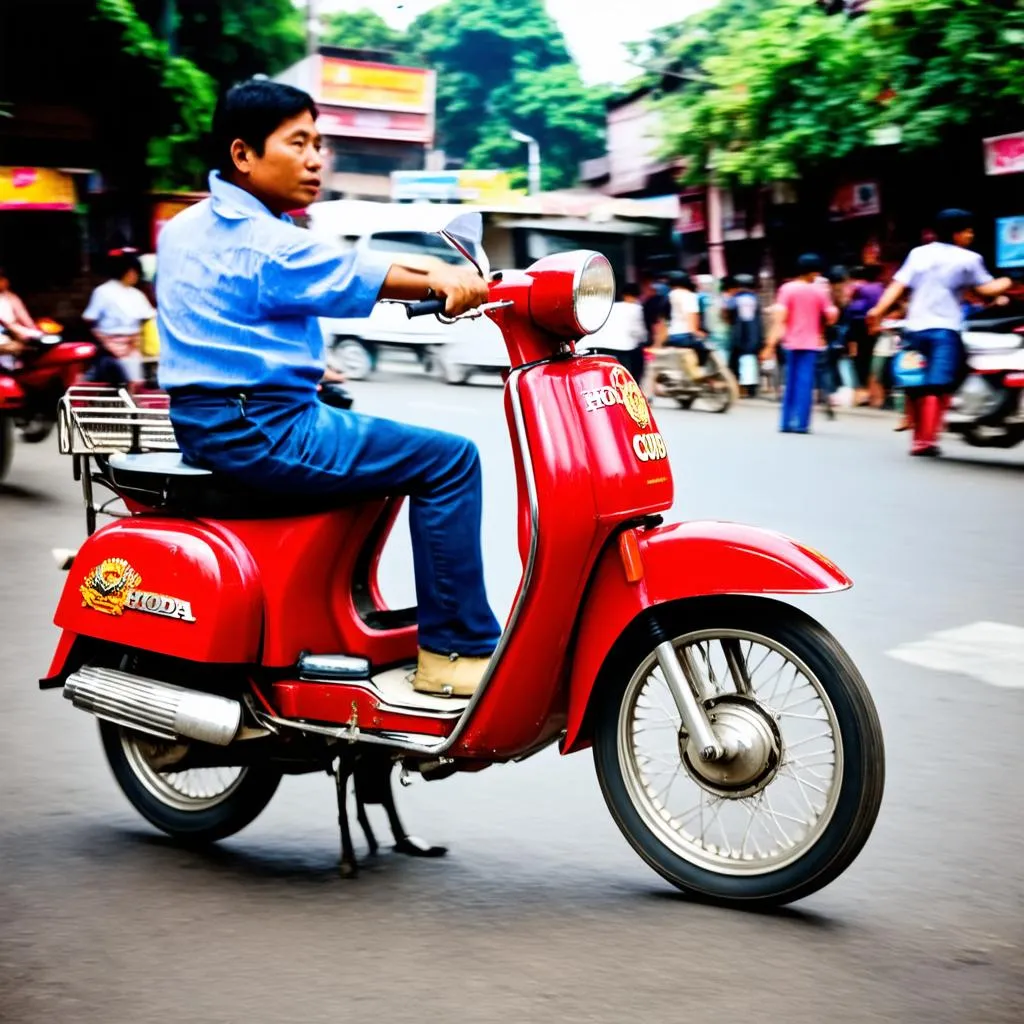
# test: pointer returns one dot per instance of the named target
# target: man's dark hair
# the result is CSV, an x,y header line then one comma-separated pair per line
x,y
949,224
809,263
120,262
871,273
252,111
631,290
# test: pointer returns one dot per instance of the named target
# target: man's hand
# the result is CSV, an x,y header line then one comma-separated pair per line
x,y
463,287
414,277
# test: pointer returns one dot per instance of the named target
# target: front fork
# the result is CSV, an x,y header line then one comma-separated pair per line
x,y
686,684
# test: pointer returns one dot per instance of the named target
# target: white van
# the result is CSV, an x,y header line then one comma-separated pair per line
x,y
456,350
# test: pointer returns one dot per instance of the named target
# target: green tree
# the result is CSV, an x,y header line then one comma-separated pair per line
x,y
362,30
178,126
781,87
501,66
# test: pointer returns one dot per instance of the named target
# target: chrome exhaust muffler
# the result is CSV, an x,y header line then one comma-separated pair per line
x,y
158,709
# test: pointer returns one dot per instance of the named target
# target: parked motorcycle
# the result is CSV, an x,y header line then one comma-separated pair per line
x,y
711,383
32,385
987,411
225,637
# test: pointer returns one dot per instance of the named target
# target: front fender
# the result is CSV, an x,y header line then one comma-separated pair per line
x,y
674,563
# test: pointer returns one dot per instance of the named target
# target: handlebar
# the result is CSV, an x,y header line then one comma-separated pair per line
x,y
428,307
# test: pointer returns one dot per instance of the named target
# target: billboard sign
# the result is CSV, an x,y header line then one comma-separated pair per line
x,y
35,188
1004,154
370,86
450,186
1010,242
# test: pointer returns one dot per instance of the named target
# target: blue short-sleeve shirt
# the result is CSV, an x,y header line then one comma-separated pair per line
x,y
239,292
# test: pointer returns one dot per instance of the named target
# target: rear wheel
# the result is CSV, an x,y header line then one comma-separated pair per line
x,y
199,805
792,805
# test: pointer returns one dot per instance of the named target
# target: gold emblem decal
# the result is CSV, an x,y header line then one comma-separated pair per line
x,y
113,586
621,390
631,397
108,587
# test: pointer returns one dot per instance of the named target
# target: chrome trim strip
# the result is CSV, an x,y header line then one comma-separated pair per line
x,y
333,667
531,493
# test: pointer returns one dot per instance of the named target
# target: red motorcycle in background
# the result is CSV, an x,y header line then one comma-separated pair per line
x,y
225,637
32,384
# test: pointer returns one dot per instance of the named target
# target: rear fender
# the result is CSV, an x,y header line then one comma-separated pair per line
x,y
685,561
164,586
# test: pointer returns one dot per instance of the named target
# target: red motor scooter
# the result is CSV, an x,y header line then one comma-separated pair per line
x,y
225,637
29,393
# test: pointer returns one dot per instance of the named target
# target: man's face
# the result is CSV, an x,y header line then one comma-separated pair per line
x,y
287,175
4,283
965,238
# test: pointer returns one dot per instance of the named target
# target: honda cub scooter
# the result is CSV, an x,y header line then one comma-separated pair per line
x,y
225,637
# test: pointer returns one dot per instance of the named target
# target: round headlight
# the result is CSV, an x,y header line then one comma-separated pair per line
x,y
593,293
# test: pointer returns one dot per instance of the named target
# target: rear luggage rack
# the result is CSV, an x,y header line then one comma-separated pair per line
x,y
96,421
101,420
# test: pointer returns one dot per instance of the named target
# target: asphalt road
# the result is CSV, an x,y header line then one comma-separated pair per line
x,y
541,912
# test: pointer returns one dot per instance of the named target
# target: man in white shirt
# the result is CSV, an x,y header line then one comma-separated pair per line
x,y
937,276
116,312
624,335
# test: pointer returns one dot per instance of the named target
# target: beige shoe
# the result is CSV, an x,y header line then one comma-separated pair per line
x,y
444,676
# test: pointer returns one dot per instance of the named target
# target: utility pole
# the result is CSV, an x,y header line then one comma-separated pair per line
x,y
534,158
312,28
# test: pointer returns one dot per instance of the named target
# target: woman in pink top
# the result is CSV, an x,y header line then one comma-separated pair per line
x,y
803,310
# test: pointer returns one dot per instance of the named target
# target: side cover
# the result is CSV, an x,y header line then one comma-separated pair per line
x,y
164,586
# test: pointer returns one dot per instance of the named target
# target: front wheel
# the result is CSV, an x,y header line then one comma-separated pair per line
x,y
198,805
794,800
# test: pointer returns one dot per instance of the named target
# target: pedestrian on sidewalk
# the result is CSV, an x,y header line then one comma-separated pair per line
x,y
803,310
937,275
867,291
741,310
624,334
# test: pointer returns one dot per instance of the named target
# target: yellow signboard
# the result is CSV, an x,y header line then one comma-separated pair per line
x,y
356,83
35,188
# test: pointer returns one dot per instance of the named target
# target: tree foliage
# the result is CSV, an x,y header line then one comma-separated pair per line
x,y
502,66
361,30
174,147
780,87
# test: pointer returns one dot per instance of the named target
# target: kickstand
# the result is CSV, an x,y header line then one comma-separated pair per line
x,y
373,772
349,867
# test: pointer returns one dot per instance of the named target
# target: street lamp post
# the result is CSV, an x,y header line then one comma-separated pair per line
x,y
534,158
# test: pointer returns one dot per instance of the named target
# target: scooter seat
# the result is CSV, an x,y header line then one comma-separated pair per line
x,y
163,481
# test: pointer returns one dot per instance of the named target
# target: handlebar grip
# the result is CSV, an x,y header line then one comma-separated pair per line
x,y
428,307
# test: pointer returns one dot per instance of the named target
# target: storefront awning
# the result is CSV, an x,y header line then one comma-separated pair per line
x,y
36,188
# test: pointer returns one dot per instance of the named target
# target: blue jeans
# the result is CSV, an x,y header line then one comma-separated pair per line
x,y
290,441
801,366
944,352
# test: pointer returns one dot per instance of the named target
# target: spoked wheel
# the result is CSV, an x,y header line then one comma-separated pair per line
x,y
793,800
196,804
719,390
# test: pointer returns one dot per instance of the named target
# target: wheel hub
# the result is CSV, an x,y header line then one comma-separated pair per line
x,y
752,744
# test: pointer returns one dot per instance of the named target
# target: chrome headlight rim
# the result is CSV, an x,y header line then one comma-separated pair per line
x,y
585,265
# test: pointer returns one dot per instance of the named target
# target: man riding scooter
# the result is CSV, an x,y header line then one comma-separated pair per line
x,y
239,293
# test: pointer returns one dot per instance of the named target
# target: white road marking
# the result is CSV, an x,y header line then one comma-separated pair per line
x,y
990,651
